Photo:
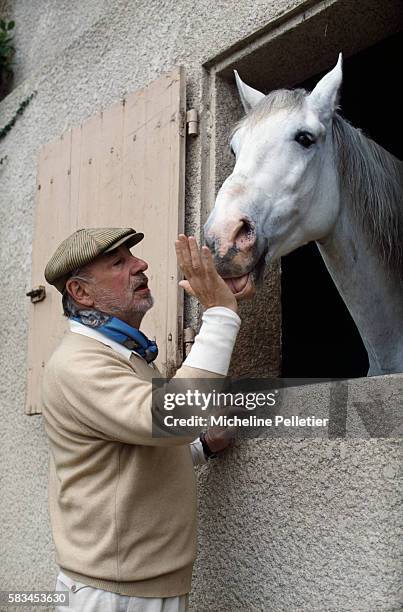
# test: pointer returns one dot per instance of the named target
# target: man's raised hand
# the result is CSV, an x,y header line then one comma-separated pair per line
x,y
202,279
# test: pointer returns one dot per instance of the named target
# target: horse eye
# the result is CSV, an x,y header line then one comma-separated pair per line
x,y
305,139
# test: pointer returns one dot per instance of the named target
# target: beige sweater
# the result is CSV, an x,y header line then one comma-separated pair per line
x,y
122,503
122,506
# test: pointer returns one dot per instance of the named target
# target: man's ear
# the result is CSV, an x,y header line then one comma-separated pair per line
x,y
78,291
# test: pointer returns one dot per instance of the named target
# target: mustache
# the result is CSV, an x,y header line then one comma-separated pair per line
x,y
140,279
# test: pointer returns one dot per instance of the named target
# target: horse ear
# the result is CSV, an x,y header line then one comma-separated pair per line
x,y
249,96
324,98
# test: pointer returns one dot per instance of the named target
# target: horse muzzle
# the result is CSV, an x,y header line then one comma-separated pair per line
x,y
236,256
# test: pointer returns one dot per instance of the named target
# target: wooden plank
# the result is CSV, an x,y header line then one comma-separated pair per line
x,y
108,204
75,166
46,323
155,208
153,198
176,221
133,167
89,173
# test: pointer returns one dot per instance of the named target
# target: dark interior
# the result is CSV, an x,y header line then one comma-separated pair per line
x,y
319,337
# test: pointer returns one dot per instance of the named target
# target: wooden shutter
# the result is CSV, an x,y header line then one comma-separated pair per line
x,y
122,167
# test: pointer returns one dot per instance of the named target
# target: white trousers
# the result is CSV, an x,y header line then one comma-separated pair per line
x,y
83,598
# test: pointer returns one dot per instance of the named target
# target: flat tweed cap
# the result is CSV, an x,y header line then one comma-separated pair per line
x,y
84,246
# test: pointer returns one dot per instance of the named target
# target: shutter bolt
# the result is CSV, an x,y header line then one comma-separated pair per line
x,y
37,294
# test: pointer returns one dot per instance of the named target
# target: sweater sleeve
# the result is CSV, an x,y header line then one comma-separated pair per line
x,y
105,396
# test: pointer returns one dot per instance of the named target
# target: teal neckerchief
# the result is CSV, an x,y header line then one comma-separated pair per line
x,y
130,337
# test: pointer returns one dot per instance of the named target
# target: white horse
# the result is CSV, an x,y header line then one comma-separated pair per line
x,y
302,173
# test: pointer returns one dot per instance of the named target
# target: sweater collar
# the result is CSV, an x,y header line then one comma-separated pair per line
x,y
92,332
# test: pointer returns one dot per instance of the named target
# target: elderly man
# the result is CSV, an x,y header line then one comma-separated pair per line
x,y
122,503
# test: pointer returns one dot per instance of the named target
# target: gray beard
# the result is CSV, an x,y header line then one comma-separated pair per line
x,y
108,308
107,303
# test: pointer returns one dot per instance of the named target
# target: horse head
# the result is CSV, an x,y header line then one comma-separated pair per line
x,y
283,191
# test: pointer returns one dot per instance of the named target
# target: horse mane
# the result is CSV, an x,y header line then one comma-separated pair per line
x,y
373,178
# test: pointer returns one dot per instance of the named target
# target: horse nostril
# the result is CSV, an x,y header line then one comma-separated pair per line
x,y
247,227
244,234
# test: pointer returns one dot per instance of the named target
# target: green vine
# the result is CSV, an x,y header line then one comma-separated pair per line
x,y
5,130
7,48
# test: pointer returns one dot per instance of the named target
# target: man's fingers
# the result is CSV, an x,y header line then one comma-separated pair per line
x,y
221,433
194,253
208,260
178,250
188,254
184,253
202,279
186,286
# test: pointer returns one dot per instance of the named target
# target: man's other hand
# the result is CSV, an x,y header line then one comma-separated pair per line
x,y
219,438
202,279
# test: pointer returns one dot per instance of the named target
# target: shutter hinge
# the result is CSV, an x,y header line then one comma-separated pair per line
x,y
188,339
192,122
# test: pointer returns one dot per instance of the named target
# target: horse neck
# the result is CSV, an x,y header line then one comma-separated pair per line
x,y
372,291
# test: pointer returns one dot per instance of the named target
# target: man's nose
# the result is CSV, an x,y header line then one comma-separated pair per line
x,y
138,265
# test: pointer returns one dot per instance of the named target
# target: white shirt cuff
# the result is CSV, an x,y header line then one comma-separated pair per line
x,y
212,348
197,452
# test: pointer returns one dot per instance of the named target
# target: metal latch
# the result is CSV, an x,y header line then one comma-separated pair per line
x,y
37,294
188,339
192,121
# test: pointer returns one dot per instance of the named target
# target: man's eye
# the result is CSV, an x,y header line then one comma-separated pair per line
x,y
116,263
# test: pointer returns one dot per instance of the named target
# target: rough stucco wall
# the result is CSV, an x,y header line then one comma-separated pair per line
x,y
44,28
308,525
269,541
119,47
